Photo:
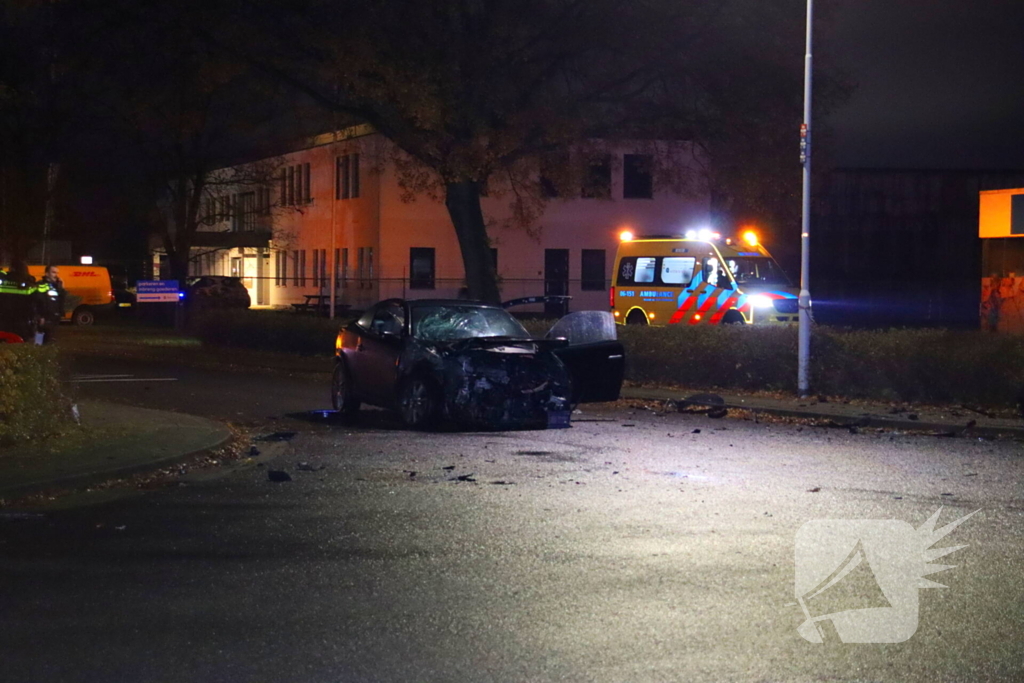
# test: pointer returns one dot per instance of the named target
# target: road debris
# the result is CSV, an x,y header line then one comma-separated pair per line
x,y
278,476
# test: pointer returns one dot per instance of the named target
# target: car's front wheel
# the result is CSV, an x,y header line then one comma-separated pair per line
x,y
342,395
419,402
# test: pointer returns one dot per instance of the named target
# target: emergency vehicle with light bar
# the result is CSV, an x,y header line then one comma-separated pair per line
x,y
699,279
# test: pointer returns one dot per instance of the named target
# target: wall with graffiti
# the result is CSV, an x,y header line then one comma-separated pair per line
x,y
1002,304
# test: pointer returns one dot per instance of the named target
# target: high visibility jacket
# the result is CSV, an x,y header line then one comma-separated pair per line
x,y
23,302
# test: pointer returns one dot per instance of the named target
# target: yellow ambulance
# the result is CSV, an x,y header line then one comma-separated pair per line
x,y
699,279
88,291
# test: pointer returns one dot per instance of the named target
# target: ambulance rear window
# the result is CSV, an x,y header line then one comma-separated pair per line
x,y
668,270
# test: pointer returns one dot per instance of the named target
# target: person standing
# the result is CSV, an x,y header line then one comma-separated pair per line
x,y
53,308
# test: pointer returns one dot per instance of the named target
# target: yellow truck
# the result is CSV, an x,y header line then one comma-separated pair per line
x,y
88,291
699,279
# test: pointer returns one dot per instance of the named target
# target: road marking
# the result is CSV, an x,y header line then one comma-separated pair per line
x,y
78,377
96,379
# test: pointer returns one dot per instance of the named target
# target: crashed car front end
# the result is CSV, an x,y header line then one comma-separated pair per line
x,y
506,388
504,385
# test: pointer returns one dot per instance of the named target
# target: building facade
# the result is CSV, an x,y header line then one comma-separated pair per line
x,y
340,210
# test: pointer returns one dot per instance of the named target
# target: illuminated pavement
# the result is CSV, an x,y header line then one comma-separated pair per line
x,y
628,548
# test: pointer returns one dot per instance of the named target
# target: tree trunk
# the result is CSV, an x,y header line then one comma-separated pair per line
x,y
179,267
463,201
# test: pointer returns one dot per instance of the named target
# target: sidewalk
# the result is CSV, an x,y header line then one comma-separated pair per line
x,y
116,441
947,421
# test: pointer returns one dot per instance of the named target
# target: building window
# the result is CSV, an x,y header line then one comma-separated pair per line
x,y
277,268
295,267
295,186
346,176
361,265
344,266
592,270
243,218
421,268
323,269
369,263
316,268
636,177
597,182
354,177
302,268
284,268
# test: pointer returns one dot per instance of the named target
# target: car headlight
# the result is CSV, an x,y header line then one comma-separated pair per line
x,y
761,301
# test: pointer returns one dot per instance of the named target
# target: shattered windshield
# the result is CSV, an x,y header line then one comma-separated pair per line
x,y
443,323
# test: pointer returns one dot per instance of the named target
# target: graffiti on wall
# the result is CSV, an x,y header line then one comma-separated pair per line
x,y
1002,304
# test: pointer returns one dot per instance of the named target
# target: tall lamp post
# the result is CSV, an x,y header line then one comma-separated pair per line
x,y
804,337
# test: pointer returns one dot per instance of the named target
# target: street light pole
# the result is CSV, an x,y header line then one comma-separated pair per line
x,y
804,335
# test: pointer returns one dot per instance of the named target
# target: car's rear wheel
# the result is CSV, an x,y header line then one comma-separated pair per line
x,y
419,402
636,317
342,395
83,316
733,317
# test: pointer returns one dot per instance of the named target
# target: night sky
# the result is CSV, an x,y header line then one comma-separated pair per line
x,y
940,83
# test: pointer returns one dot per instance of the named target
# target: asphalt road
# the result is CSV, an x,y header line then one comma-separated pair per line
x,y
628,548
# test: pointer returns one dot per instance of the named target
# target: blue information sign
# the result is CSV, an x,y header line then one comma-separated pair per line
x,y
161,291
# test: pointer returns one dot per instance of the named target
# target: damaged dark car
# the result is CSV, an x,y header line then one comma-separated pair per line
x,y
474,365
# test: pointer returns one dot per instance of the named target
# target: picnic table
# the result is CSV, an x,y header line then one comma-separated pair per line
x,y
320,303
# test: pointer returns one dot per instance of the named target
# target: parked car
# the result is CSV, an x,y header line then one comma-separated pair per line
x,y
216,291
474,364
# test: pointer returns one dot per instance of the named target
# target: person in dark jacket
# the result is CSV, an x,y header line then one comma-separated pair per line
x,y
52,304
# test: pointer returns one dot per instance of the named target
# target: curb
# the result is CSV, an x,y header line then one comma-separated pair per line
x,y
943,428
75,481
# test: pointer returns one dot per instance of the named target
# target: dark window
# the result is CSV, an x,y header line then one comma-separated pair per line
x,y
421,268
388,318
284,268
344,267
1017,214
354,181
592,270
345,177
323,268
284,189
316,268
337,177
305,183
291,186
597,182
547,187
295,267
636,177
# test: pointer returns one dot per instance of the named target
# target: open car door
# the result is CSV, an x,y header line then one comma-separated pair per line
x,y
594,357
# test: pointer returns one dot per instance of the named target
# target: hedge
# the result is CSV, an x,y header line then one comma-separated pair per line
x,y
268,331
937,366
33,404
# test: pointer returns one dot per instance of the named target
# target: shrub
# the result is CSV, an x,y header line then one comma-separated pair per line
x,y
269,331
32,402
